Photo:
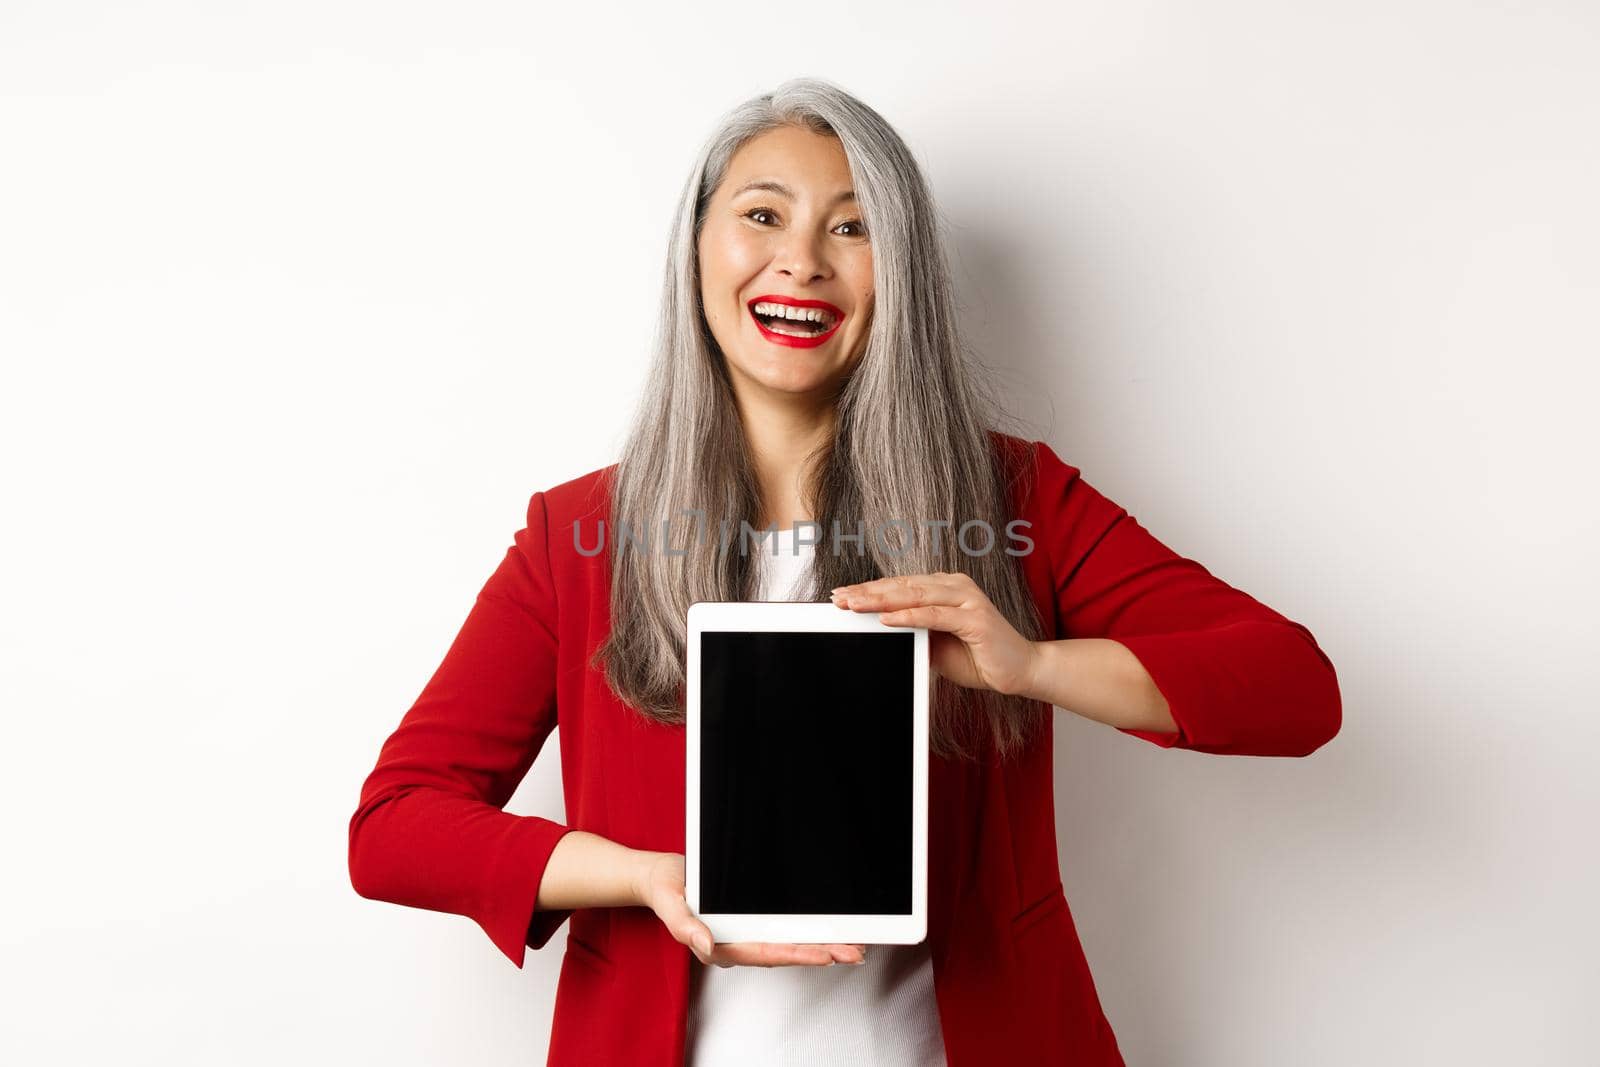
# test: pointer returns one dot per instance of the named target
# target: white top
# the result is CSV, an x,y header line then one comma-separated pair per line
x,y
881,1013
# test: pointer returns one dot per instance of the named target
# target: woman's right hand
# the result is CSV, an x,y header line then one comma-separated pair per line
x,y
661,889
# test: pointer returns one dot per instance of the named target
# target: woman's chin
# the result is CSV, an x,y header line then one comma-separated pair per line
x,y
799,381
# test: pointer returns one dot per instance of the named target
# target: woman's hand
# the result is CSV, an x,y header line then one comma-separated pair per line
x,y
661,889
970,642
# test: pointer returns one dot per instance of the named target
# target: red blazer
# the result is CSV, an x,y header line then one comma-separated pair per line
x,y
1011,979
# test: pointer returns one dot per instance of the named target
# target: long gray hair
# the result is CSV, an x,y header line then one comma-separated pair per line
x,y
912,438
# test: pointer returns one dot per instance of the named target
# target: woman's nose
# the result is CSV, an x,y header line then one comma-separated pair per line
x,y
800,258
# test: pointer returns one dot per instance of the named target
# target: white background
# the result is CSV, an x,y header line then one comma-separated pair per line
x,y
299,302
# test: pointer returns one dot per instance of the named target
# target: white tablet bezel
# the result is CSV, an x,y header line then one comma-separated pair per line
x,y
802,617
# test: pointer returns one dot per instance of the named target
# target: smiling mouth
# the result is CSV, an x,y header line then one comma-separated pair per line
x,y
793,327
811,320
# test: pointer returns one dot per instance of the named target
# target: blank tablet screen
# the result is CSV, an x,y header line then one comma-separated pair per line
x,y
806,772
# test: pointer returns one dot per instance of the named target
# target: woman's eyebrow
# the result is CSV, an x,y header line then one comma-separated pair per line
x,y
781,189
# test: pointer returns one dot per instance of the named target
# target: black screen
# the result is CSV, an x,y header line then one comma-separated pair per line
x,y
805,773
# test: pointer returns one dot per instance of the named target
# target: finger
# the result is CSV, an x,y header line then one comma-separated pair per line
x,y
933,616
904,591
878,587
686,928
700,941
848,953
765,954
697,936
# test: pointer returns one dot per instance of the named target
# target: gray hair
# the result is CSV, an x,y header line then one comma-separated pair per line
x,y
915,435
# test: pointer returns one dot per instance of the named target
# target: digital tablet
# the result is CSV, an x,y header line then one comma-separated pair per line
x,y
807,803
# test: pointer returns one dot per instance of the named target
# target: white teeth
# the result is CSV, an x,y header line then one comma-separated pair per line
x,y
797,314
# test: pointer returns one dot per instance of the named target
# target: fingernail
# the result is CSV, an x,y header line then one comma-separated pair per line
x,y
702,943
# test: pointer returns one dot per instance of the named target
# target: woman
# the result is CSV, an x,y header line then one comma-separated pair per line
x,y
861,412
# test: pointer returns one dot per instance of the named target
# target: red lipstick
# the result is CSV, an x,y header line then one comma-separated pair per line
x,y
790,301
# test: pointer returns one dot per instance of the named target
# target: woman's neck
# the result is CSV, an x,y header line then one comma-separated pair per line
x,y
782,437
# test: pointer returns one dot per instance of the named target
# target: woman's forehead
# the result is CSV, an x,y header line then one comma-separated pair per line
x,y
792,162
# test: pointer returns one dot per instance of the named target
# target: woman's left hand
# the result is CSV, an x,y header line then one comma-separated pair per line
x,y
969,641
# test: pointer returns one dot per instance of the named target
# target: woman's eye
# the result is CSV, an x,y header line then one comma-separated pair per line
x,y
756,214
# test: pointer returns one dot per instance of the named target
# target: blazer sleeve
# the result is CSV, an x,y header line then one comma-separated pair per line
x,y
1239,678
430,830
